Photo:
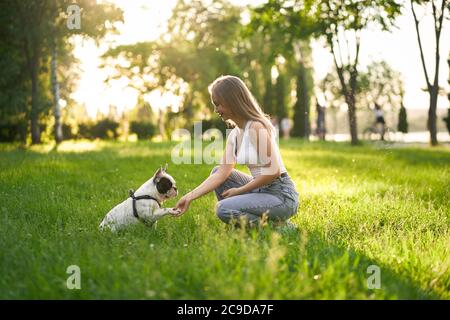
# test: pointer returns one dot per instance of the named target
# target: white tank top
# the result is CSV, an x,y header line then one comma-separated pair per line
x,y
247,153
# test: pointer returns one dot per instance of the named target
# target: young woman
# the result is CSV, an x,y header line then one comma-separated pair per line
x,y
269,193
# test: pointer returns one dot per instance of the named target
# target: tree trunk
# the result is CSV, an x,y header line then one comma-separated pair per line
x,y
302,106
35,131
350,99
351,104
268,97
55,90
349,94
280,97
31,16
431,123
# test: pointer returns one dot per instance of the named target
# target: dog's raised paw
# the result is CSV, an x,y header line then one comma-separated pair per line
x,y
174,211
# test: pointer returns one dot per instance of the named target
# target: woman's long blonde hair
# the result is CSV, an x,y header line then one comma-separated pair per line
x,y
232,93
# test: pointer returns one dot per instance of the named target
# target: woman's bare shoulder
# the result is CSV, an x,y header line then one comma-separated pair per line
x,y
257,125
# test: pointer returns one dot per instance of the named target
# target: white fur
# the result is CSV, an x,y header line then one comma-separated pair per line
x,y
122,214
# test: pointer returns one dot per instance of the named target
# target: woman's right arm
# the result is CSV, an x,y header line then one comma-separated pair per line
x,y
213,181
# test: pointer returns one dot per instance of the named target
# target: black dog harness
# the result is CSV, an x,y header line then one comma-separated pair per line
x,y
146,197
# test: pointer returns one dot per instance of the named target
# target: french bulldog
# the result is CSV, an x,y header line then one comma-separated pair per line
x,y
143,205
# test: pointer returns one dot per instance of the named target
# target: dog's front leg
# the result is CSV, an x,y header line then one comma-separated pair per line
x,y
158,213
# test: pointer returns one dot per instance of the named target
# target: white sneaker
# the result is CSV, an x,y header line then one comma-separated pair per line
x,y
286,226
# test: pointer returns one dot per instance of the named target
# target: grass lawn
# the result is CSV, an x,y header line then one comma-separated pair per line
x,y
359,206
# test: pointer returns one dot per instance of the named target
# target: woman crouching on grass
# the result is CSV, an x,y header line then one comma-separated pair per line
x,y
269,193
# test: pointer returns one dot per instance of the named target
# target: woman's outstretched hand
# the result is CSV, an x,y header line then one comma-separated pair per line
x,y
182,205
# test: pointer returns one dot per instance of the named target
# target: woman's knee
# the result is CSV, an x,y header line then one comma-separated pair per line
x,y
222,212
227,214
234,216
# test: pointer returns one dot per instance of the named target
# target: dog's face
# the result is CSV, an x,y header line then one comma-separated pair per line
x,y
165,184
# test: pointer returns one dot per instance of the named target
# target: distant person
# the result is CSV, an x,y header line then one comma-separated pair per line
x,y
379,120
286,126
274,121
320,126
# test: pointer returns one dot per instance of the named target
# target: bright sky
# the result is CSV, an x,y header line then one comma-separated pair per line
x,y
145,20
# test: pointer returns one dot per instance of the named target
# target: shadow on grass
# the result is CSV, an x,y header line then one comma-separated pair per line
x,y
322,254
337,155
425,157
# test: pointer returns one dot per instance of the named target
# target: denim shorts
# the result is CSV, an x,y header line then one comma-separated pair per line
x,y
279,199
284,188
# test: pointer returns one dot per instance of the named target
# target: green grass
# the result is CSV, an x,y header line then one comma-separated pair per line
x,y
359,206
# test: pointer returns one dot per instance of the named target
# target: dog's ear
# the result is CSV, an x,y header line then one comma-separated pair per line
x,y
165,167
158,174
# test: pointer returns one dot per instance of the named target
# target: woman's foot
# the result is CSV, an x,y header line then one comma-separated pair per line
x,y
281,223
285,226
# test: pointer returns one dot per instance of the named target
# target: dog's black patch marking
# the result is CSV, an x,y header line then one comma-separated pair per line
x,y
163,185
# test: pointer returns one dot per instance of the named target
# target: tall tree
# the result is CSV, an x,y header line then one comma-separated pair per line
x,y
342,22
289,29
198,47
40,28
32,15
14,82
54,76
432,85
304,86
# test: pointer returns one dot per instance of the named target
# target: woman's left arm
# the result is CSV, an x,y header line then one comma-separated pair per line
x,y
258,182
